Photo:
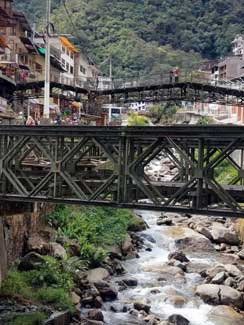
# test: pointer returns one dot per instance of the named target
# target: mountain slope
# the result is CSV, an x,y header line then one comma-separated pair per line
x,y
136,32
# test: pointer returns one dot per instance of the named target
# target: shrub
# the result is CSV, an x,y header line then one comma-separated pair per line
x,y
16,284
58,297
94,228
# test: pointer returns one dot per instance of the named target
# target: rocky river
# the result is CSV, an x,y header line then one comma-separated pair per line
x,y
180,276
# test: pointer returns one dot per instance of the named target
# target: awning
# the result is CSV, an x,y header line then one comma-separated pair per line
x,y
67,43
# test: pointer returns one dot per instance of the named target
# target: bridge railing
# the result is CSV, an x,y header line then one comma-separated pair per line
x,y
166,79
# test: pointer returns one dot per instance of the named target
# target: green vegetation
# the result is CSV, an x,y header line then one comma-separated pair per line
x,y
137,120
127,31
49,284
141,35
27,319
94,228
225,173
163,113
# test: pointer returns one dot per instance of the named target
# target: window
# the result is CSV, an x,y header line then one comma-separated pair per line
x,y
63,62
82,69
72,55
63,49
67,51
71,70
67,66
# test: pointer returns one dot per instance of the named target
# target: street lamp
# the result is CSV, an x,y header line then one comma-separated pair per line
x,y
46,112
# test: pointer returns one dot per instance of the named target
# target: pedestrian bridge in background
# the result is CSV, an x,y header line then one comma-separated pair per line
x,y
109,166
151,89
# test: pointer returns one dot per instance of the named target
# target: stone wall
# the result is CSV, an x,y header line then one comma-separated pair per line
x,y
15,229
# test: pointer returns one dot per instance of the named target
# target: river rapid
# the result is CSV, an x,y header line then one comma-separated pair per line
x,y
152,289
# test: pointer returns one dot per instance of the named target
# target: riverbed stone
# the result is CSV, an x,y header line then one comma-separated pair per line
x,y
37,244
232,270
75,298
179,256
130,282
225,235
141,306
186,239
229,282
98,274
225,315
107,292
95,314
138,225
58,318
220,294
176,300
178,320
219,278
241,254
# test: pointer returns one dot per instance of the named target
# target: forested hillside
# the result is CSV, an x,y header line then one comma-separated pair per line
x,y
140,34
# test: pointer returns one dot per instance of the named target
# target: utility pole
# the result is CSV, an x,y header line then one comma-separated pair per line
x,y
111,71
46,112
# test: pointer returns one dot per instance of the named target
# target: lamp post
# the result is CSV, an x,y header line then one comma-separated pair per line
x,y
46,112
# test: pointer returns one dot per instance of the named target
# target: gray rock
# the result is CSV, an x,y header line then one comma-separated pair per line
x,y
31,261
225,315
98,274
106,291
221,234
59,318
220,294
232,270
241,254
229,282
219,278
130,282
141,306
58,251
179,256
95,314
178,320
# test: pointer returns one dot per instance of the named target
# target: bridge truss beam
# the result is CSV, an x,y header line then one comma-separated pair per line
x,y
108,166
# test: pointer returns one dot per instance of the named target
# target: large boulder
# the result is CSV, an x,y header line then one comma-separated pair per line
x,y
127,247
138,225
233,270
225,315
58,251
220,294
106,291
59,318
97,275
221,234
31,261
95,314
241,254
38,244
186,239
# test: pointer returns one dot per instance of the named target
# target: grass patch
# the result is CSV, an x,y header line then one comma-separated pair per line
x,y
49,284
27,319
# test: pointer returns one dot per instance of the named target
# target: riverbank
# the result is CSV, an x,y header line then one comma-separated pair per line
x,y
54,273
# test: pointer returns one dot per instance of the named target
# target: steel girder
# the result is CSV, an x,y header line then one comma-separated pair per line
x,y
109,166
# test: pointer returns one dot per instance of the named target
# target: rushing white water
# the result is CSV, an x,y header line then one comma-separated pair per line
x,y
146,269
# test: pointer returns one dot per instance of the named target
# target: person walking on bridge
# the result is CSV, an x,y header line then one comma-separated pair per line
x,y
30,121
176,74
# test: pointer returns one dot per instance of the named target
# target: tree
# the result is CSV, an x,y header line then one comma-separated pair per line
x,y
137,120
163,113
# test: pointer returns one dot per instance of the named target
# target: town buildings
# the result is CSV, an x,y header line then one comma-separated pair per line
x,y
22,59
